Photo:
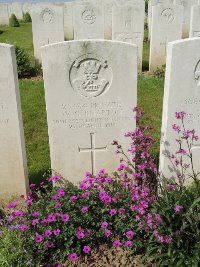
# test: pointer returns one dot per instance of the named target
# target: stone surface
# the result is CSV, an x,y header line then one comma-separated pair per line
x,y
16,8
181,93
88,20
90,89
166,27
4,14
195,22
187,4
47,26
13,177
152,3
68,21
128,26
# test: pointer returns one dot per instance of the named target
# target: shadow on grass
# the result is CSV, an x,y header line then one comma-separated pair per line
x,y
145,65
40,176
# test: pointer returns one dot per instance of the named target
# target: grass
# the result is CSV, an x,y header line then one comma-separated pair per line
x,y
150,95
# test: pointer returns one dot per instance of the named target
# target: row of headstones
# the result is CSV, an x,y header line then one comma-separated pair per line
x,y
167,24
90,90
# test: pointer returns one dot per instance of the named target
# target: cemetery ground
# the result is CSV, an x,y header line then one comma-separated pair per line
x,y
177,208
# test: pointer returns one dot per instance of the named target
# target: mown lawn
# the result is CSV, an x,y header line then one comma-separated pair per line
x,y
150,96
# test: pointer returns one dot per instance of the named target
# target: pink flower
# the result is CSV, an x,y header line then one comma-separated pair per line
x,y
34,222
112,212
36,213
129,234
104,225
85,194
24,227
19,213
122,211
180,115
117,243
44,221
53,198
121,167
51,218
73,257
58,205
168,239
107,232
48,233
49,244
160,239
170,187
128,243
56,178
84,209
86,249
65,217
80,235
178,208
29,201
61,192
73,198
38,238
56,232
12,205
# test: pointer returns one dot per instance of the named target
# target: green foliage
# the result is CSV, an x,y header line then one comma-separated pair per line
x,y
24,68
183,226
13,251
13,21
26,17
146,6
159,72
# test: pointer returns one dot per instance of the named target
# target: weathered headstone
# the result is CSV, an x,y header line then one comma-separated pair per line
x,y
4,14
182,93
128,26
68,21
195,22
166,27
13,178
187,4
152,3
88,20
27,8
47,27
90,89
16,8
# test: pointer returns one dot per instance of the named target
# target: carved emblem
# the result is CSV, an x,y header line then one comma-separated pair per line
x,y
47,15
124,37
167,15
90,75
197,73
88,16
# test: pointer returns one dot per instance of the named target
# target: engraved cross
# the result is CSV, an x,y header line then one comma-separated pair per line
x,y
92,149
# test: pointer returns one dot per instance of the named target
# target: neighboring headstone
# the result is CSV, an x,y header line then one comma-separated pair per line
x,y
152,3
47,27
88,20
195,22
16,8
90,89
182,93
27,8
166,27
128,26
187,4
4,14
68,21
13,177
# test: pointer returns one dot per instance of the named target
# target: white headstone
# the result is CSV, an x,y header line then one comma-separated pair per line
x,y
187,4
68,21
182,93
90,89
13,178
27,8
4,14
88,20
128,26
152,3
16,8
195,22
47,26
166,27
